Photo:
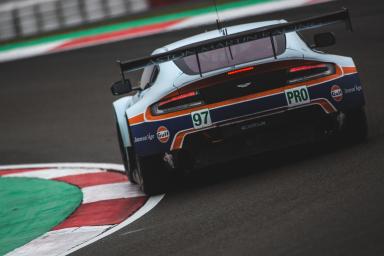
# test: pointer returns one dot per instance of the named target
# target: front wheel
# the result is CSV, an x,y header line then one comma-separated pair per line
x,y
151,174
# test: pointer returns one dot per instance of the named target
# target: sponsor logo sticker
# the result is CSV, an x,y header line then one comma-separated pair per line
x,y
254,125
354,89
297,96
337,93
163,134
148,137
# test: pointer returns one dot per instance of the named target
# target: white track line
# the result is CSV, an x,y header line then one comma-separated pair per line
x,y
29,51
117,167
55,242
149,205
110,192
53,173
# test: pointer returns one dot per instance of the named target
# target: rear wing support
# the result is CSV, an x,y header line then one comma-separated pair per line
x,y
273,46
199,64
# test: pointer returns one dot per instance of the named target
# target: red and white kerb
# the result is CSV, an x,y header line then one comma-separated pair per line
x,y
110,202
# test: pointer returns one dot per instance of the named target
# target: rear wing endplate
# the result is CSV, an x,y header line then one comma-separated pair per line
x,y
341,16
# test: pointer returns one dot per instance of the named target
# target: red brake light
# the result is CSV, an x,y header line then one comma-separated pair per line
x,y
310,72
307,67
176,98
180,102
240,70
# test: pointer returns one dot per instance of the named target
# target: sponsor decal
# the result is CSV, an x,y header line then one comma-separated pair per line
x,y
254,125
148,137
163,134
297,96
337,93
356,88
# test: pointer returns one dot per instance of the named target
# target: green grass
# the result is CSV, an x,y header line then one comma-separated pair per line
x,y
31,207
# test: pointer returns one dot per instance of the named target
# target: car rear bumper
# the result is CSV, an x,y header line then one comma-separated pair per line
x,y
156,135
255,136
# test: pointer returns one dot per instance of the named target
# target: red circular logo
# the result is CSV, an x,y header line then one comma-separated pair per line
x,y
163,134
337,93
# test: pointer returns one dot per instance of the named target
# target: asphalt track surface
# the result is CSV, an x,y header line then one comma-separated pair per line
x,y
321,199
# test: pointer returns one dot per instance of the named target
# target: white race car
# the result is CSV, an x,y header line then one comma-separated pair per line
x,y
234,92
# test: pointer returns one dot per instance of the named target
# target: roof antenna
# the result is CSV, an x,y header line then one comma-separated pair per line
x,y
220,26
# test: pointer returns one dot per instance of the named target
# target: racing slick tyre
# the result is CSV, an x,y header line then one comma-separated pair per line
x,y
355,128
126,155
151,174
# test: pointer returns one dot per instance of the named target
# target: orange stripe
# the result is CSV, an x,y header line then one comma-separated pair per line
x,y
325,105
178,142
149,115
136,119
349,70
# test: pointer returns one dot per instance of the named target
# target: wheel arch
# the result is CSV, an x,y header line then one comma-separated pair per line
x,y
120,106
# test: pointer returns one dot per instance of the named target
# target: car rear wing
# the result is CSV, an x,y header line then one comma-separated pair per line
x,y
341,16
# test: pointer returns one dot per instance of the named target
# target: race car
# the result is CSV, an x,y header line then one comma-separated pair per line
x,y
234,92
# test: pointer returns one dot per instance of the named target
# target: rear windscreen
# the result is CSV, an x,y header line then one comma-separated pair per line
x,y
237,54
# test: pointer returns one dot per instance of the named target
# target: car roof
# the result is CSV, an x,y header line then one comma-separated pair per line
x,y
214,34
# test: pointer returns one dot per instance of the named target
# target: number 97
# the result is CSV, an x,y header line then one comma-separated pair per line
x,y
201,118
197,119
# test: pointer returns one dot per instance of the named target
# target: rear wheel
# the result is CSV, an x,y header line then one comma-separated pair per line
x,y
355,128
151,174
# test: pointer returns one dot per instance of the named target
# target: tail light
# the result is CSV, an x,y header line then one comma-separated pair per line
x,y
180,102
309,72
240,71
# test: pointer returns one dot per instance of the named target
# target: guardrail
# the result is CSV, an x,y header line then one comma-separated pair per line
x,y
33,17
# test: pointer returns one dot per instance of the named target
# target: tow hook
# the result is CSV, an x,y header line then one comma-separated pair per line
x,y
168,158
340,120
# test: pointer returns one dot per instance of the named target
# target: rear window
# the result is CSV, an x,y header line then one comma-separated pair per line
x,y
242,53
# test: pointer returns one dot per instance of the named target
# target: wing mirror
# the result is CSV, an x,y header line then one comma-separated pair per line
x,y
121,87
324,40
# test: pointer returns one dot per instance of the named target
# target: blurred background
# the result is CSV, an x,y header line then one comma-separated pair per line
x,y
57,107
28,18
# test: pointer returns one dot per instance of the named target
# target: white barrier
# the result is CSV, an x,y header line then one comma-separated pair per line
x,y
32,17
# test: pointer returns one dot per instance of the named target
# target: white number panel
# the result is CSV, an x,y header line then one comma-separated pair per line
x,y
201,118
297,96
